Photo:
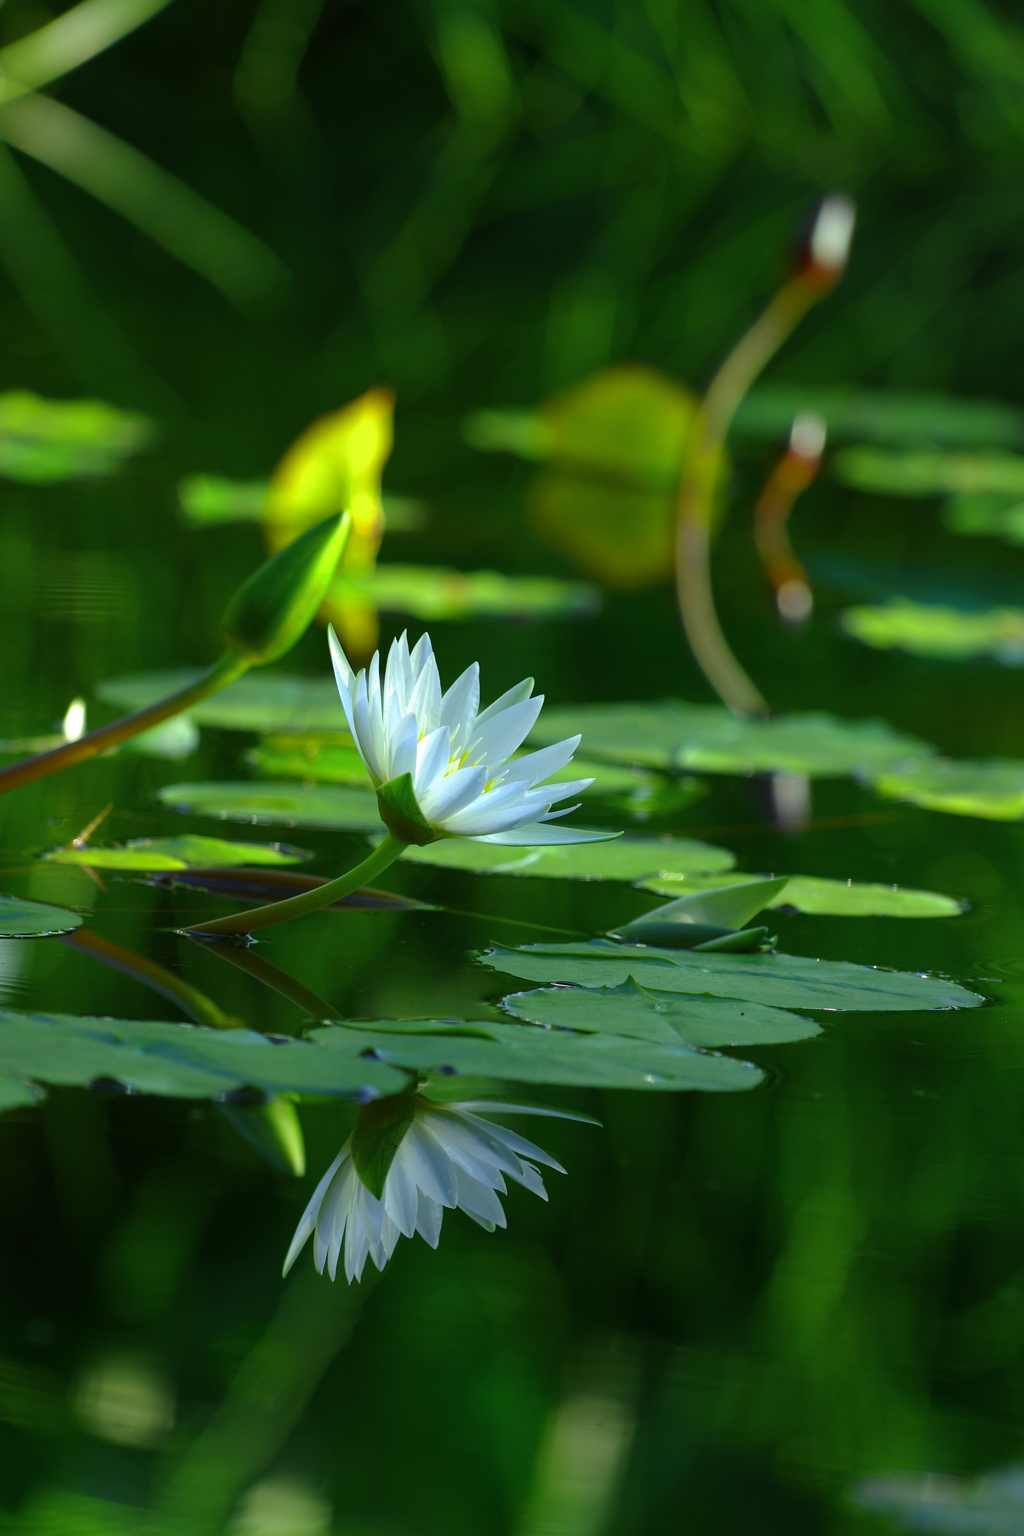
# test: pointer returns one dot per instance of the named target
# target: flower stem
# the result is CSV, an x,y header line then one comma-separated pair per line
x,y
696,493
227,669
385,853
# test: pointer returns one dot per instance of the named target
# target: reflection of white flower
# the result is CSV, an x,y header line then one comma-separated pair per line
x,y
448,1157
459,757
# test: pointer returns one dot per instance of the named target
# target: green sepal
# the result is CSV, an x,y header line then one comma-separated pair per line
x,y
401,814
275,606
379,1131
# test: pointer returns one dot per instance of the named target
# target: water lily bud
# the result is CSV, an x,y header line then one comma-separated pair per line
x,y
271,610
826,249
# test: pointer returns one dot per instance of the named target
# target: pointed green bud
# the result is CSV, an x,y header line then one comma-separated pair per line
x,y
274,1131
401,814
274,608
379,1132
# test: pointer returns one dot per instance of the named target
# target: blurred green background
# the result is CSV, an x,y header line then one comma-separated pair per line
x,y
734,1306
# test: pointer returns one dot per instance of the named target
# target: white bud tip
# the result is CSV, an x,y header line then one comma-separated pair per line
x,y
833,232
807,438
73,724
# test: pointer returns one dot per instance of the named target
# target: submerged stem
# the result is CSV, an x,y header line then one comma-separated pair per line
x,y
385,853
230,666
694,506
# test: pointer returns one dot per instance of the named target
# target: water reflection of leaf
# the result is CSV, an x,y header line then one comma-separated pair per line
x,y
785,981
627,858
189,851
708,738
930,629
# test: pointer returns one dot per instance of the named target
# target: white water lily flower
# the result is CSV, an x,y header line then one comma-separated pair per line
x,y
448,1158
459,757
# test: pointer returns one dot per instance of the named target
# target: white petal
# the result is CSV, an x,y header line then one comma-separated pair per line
x,y
538,834
468,1148
514,695
496,739
401,743
449,795
513,1142
428,1219
430,1165
342,669
432,755
308,1219
536,766
478,1201
401,1196
491,1106
460,704
425,696
531,1180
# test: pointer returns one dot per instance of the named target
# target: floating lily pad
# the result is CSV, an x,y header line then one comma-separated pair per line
x,y
784,981
998,517
520,1053
929,472
989,1505
878,415
991,787
20,919
187,852
627,858
260,701
429,593
930,629
207,500
328,757
178,1060
831,898
708,738
282,804
48,440
659,1016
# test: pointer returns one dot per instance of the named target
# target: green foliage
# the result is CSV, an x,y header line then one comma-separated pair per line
x,y
34,919
784,981
662,1017
831,898
997,517
179,1060
48,440
260,701
992,787
708,738
291,805
627,858
725,906
328,757
378,1133
430,593
400,812
519,1053
921,473
929,629
190,851
883,415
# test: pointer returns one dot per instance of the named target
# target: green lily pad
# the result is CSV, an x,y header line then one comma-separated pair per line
x,y
997,517
177,1060
627,858
989,1505
708,738
327,757
517,1052
929,472
930,629
990,787
878,415
665,1017
429,593
21,919
784,981
260,701
830,898
187,852
282,804
43,441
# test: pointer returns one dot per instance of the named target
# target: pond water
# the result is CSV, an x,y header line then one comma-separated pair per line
x,y
734,1305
